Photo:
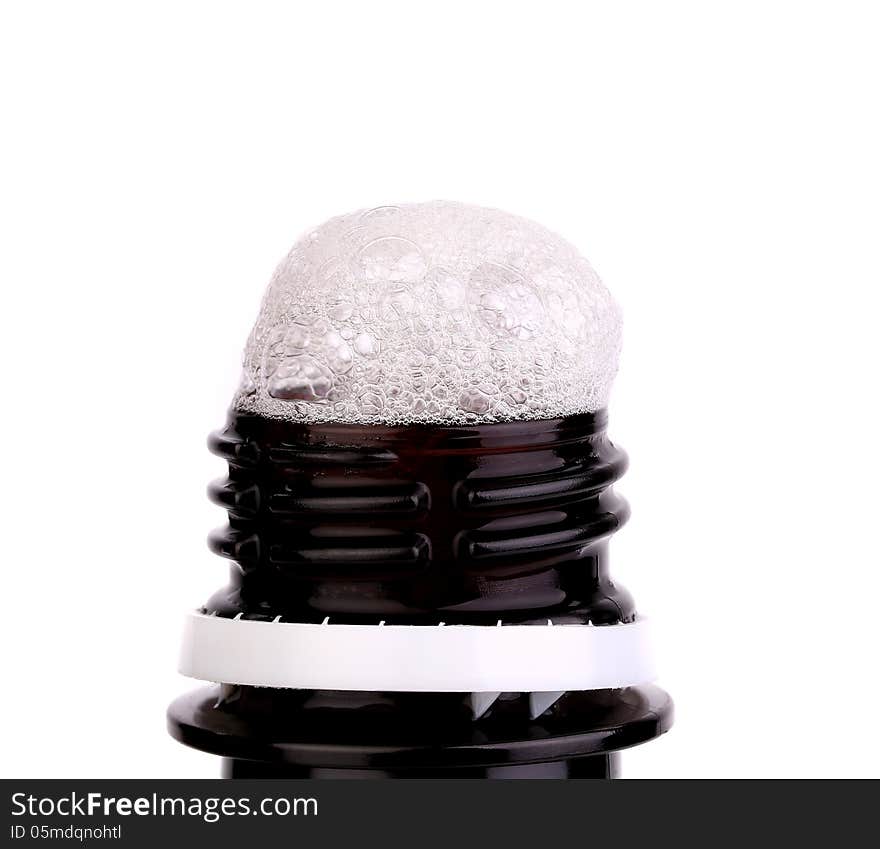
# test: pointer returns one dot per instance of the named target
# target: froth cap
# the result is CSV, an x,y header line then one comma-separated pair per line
x,y
435,313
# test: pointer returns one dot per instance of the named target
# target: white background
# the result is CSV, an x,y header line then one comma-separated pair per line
x,y
718,164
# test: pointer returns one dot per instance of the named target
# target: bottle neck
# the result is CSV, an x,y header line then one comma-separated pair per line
x,y
419,524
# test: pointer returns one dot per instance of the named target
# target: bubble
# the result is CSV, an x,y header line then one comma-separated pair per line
x,y
341,311
505,302
300,379
366,345
372,402
435,313
337,352
297,337
247,386
392,258
451,290
397,303
328,274
473,401
381,217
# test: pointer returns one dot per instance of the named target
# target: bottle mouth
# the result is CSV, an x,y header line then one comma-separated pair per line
x,y
417,437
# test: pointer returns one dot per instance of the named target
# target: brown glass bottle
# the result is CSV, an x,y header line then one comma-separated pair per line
x,y
418,525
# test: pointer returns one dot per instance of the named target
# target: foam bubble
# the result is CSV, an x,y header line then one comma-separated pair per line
x,y
436,312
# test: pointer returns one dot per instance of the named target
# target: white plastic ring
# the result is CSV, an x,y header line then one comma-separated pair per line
x,y
416,658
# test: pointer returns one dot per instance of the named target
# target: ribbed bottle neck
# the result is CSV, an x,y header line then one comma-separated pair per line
x,y
417,524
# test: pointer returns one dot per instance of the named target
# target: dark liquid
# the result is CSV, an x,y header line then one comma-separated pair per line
x,y
418,525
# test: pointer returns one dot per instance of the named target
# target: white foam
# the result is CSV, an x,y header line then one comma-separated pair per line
x,y
435,312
